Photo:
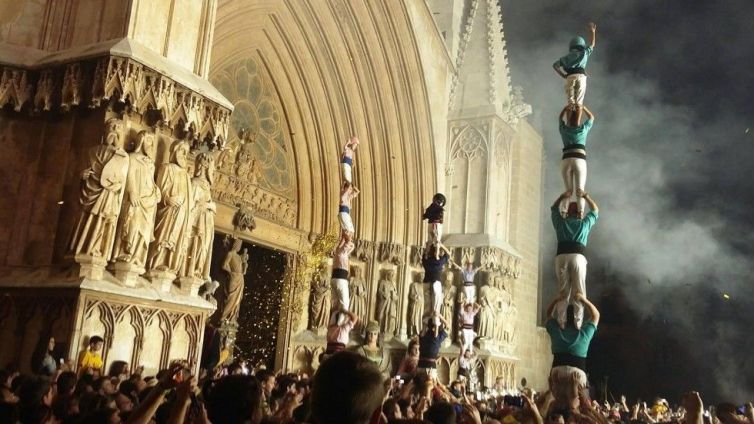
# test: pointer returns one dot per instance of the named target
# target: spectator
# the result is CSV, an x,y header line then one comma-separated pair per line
x,y
90,361
235,399
348,389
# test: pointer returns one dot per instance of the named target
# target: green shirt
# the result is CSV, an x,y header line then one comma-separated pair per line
x,y
573,229
575,135
571,341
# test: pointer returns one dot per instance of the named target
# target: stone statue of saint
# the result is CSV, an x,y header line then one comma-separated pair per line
x,y
319,303
236,266
447,310
102,186
487,299
246,166
173,213
202,219
139,204
358,292
415,308
387,304
373,350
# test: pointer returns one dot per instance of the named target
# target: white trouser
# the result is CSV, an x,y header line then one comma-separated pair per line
x,y
561,383
346,172
575,88
467,340
469,292
434,232
573,171
570,269
340,297
437,298
346,223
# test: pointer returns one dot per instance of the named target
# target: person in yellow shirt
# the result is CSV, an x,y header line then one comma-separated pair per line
x,y
90,361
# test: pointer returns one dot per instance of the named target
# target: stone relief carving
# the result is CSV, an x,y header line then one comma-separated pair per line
x,y
449,290
487,316
136,224
392,253
363,250
102,184
121,79
515,109
469,143
416,256
233,191
202,219
386,312
236,264
319,303
172,223
415,308
140,203
243,220
358,291
15,87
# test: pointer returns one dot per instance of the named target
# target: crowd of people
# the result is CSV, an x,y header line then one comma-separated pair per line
x,y
347,388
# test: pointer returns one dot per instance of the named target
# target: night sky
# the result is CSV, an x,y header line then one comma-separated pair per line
x,y
670,261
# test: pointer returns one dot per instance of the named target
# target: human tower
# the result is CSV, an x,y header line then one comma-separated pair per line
x,y
341,320
570,333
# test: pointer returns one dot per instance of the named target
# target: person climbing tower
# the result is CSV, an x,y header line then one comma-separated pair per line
x,y
347,158
434,260
573,165
570,263
572,66
434,215
467,276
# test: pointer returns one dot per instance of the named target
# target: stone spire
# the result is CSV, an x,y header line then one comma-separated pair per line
x,y
481,83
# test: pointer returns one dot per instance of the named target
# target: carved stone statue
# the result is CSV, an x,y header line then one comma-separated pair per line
x,y
139,205
487,299
202,219
319,305
358,292
246,166
415,308
102,185
447,310
236,265
387,304
167,252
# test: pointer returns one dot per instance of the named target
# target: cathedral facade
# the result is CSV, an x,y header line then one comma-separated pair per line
x,y
250,103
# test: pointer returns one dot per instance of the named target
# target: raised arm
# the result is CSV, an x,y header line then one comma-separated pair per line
x,y
564,195
551,307
558,70
563,113
593,30
588,112
592,204
592,309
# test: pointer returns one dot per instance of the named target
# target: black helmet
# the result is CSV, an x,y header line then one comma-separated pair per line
x,y
439,198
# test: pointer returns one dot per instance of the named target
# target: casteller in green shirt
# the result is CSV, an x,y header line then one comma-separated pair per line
x,y
575,137
570,340
573,229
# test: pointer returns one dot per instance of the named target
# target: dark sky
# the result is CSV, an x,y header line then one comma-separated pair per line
x,y
670,163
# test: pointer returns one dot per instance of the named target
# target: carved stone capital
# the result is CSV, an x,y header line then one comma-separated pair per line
x,y
92,81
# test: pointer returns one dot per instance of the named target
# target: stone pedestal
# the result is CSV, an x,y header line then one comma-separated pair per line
x,y
126,273
161,280
91,267
190,285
